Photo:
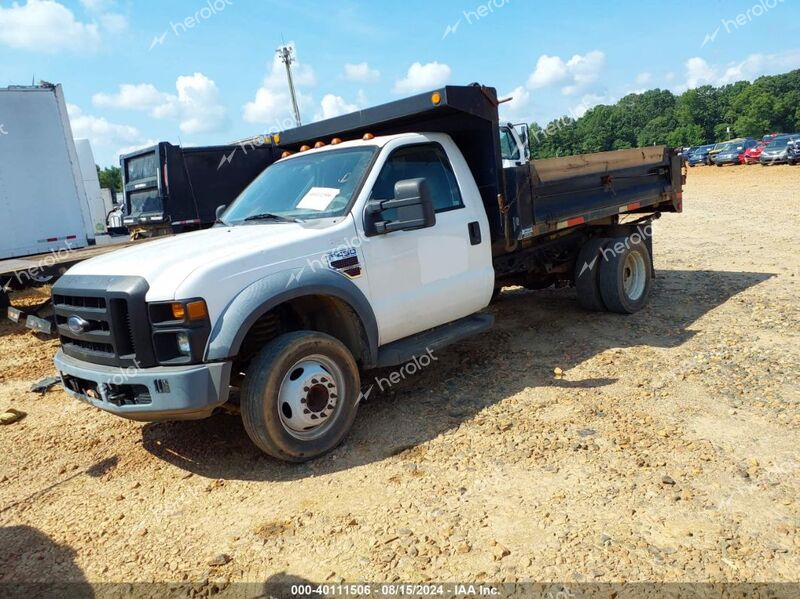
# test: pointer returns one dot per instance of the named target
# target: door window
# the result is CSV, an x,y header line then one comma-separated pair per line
x,y
508,146
421,161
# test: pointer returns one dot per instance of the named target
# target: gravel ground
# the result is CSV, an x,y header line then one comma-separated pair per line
x,y
666,452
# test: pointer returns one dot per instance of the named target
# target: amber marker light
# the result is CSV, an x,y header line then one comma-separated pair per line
x,y
197,310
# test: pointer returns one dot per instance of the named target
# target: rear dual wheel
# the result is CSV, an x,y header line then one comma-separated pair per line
x,y
614,275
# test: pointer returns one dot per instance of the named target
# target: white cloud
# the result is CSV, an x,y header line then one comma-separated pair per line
x,y
700,72
579,72
549,71
518,107
46,26
332,106
272,104
98,130
114,22
97,5
361,72
197,105
422,77
644,78
148,143
140,96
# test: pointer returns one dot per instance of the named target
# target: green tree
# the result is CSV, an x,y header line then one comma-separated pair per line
x,y
110,177
698,116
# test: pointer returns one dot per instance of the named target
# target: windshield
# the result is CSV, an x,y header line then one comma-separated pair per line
x,y
319,185
778,143
728,147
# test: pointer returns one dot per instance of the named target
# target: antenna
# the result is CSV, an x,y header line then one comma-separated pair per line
x,y
286,54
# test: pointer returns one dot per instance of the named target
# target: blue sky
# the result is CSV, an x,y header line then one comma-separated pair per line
x,y
204,72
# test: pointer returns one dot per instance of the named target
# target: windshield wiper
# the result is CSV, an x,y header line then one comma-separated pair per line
x,y
272,216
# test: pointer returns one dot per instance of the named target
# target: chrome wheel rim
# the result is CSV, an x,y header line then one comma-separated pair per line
x,y
634,275
311,396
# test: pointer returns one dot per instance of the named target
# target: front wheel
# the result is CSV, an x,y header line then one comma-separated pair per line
x,y
300,395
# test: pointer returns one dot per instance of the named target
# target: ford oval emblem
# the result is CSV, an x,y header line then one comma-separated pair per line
x,y
77,324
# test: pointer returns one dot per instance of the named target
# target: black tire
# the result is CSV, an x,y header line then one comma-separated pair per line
x,y
5,302
587,268
261,392
718,164
495,294
625,260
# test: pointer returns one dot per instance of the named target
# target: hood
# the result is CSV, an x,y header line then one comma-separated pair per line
x,y
166,262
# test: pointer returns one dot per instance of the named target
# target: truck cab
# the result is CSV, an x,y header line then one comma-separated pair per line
x,y
514,144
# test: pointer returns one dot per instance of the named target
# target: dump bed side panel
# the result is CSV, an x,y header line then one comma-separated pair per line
x,y
550,195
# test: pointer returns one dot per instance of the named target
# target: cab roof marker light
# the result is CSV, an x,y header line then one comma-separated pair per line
x,y
319,144
305,148
368,136
336,141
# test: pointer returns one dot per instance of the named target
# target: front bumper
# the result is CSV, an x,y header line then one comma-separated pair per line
x,y
727,160
147,394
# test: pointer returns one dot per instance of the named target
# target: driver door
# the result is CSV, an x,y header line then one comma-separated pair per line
x,y
423,278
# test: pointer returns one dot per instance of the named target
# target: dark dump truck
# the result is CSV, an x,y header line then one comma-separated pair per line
x,y
373,238
173,189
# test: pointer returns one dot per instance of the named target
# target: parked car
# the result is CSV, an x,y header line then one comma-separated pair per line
x,y
771,136
733,151
699,155
793,150
751,155
777,152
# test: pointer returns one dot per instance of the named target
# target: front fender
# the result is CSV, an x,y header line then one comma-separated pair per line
x,y
263,295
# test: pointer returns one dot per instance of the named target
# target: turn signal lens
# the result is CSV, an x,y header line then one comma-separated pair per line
x,y
197,310
178,311
276,138
436,97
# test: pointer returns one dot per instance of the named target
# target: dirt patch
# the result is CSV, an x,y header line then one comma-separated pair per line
x,y
668,451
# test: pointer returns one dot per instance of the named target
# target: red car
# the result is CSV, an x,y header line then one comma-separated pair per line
x,y
752,155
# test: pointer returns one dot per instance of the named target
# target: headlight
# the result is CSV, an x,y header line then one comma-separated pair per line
x,y
180,330
183,343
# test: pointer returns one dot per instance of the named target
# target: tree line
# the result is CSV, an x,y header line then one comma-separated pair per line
x,y
698,116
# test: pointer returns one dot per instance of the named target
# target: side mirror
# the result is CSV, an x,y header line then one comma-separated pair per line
x,y
412,206
220,211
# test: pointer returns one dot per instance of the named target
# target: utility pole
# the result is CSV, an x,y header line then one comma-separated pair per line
x,y
286,54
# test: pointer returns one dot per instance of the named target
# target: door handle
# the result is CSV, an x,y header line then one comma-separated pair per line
x,y
474,229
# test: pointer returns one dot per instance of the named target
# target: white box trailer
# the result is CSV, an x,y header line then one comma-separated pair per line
x,y
91,184
43,205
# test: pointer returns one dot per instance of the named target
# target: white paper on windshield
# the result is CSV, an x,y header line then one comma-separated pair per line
x,y
318,198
